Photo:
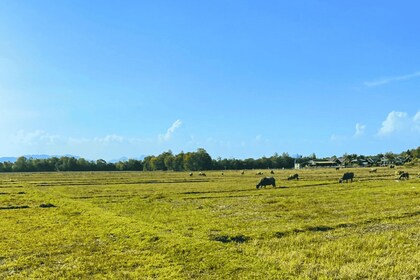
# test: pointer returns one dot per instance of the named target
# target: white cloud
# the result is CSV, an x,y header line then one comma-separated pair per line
x,y
110,139
388,80
35,138
417,117
360,130
168,135
416,120
399,122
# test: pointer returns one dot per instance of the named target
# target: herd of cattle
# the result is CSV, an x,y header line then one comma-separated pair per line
x,y
347,176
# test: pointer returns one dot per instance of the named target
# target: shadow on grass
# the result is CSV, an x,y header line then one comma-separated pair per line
x,y
323,228
228,239
10,207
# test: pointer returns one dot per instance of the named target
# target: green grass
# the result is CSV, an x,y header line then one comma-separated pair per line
x,y
168,225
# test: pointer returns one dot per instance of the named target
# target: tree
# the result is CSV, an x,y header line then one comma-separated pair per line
x,y
204,159
7,166
101,165
21,165
168,159
134,165
178,163
84,165
189,162
67,164
196,161
146,163
416,152
157,163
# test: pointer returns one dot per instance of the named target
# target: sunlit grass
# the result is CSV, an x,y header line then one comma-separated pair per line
x,y
168,225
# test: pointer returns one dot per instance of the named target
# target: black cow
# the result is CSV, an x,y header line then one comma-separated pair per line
x,y
293,177
266,181
404,176
346,177
398,173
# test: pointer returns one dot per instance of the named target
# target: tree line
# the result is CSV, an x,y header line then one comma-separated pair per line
x,y
190,161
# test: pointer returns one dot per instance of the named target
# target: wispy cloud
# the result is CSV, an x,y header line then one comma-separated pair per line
x,y
168,135
35,137
360,130
416,121
110,139
388,80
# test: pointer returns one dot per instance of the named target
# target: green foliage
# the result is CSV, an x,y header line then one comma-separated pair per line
x,y
190,161
168,225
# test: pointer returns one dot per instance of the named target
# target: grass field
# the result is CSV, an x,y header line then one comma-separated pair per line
x,y
168,225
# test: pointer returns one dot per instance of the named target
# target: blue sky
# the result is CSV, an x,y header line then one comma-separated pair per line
x,y
107,79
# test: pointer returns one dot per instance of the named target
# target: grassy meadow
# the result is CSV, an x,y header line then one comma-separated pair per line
x,y
169,225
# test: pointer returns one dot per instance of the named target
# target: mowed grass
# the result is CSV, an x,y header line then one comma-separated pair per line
x,y
168,225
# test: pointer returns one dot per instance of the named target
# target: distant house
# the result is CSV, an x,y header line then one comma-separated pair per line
x,y
385,161
374,160
324,163
341,161
401,160
362,162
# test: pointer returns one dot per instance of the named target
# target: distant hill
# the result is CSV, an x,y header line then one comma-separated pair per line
x,y
126,159
13,159
5,159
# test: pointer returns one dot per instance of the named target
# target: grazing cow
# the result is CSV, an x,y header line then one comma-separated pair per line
x,y
191,173
266,181
202,174
293,177
259,173
337,168
373,170
272,172
398,173
404,176
391,166
346,177
242,172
